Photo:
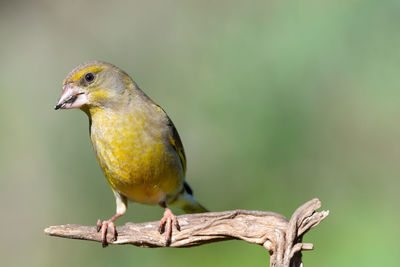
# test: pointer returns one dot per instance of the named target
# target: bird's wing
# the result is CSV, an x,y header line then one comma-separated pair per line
x,y
176,143
174,139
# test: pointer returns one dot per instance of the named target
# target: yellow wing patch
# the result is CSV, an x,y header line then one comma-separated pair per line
x,y
180,152
174,139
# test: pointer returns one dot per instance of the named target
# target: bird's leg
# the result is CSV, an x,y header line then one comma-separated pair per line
x,y
166,223
122,204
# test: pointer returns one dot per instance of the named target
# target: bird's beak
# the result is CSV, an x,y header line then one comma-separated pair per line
x,y
71,97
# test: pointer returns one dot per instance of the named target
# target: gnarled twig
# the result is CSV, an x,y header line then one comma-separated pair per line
x,y
282,238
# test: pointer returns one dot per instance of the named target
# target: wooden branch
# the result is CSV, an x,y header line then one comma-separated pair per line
x,y
282,238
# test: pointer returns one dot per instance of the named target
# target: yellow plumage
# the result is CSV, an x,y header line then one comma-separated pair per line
x,y
136,144
134,156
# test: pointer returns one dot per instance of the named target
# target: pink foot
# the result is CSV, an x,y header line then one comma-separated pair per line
x,y
166,225
104,225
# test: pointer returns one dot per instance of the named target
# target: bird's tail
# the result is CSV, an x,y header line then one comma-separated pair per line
x,y
193,206
187,203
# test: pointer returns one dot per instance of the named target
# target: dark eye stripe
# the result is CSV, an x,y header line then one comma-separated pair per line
x,y
89,77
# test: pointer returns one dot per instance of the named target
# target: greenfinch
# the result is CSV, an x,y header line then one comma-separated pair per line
x,y
136,144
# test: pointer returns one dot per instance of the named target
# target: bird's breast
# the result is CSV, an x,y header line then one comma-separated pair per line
x,y
135,158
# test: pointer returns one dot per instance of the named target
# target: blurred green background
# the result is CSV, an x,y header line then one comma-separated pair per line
x,y
277,102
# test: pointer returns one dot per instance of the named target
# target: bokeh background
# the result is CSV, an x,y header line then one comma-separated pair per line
x,y
277,102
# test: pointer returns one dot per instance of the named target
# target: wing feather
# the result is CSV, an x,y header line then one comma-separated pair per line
x,y
174,139
176,143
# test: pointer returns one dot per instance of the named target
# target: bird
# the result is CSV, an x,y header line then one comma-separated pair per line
x,y
136,144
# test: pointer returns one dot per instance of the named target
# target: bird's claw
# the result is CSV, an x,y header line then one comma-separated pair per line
x,y
166,225
99,224
103,226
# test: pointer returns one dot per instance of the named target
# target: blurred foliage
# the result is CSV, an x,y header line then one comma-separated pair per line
x,y
277,102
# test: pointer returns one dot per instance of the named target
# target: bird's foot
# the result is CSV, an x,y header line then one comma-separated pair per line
x,y
166,225
103,226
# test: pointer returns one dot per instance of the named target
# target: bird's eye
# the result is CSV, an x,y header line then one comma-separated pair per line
x,y
89,77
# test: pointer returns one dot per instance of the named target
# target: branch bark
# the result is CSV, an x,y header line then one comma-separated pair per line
x,y
282,238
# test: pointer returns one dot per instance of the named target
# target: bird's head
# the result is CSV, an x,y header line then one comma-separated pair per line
x,y
94,84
